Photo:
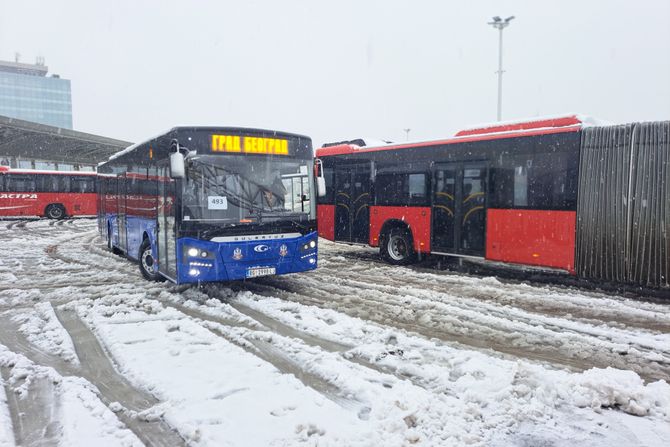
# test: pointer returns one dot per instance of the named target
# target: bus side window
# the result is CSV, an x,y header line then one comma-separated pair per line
x,y
20,183
50,183
62,183
2,183
417,188
78,184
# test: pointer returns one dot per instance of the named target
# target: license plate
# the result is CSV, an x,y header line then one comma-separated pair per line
x,y
262,271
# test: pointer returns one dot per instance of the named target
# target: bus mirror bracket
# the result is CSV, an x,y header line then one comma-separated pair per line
x,y
320,180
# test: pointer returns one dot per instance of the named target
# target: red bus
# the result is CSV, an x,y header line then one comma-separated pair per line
x,y
553,193
52,194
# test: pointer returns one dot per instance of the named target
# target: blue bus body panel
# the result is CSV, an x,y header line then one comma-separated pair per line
x,y
224,261
228,261
113,224
136,228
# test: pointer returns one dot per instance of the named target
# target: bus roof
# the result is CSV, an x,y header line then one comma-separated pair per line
x,y
494,131
179,131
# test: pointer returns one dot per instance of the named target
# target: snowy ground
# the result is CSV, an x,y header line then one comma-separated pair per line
x,y
357,353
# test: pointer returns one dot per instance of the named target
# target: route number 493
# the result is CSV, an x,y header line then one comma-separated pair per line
x,y
217,203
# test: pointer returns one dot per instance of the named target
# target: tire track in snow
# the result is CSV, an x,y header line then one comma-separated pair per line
x,y
260,348
11,225
267,352
465,329
461,304
33,410
276,326
98,369
610,310
381,286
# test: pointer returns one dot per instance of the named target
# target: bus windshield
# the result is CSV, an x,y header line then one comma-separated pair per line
x,y
233,188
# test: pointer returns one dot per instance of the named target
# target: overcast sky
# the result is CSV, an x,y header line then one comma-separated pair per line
x,y
343,69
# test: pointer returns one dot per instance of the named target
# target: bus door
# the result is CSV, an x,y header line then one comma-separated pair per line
x,y
121,217
166,234
459,208
352,202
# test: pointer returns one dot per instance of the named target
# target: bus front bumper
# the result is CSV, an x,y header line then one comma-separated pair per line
x,y
205,261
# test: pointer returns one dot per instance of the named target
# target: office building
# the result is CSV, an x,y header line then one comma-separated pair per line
x,y
28,93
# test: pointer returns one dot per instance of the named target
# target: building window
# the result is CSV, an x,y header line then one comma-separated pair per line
x,y
45,165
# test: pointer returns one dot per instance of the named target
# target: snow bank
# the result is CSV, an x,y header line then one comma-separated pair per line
x,y
615,388
486,391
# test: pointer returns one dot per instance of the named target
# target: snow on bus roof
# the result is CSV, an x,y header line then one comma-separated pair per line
x,y
522,127
132,147
540,122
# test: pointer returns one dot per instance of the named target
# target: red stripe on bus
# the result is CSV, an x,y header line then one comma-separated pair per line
x,y
326,221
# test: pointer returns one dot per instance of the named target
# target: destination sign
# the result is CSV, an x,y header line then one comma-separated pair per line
x,y
249,145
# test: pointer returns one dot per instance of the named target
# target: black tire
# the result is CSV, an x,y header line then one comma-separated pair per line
x,y
147,263
55,211
396,247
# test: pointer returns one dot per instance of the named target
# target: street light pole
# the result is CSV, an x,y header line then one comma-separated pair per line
x,y
500,24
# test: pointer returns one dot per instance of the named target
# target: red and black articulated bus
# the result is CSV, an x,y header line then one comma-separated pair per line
x,y
557,193
52,194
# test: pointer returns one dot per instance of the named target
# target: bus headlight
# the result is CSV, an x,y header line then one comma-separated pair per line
x,y
307,246
190,254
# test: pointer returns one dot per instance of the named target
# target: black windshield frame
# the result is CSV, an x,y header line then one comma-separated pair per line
x,y
234,189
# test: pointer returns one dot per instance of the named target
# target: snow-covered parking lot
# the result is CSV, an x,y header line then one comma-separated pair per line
x,y
357,353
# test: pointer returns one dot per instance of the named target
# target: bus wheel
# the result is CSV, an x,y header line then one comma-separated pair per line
x,y
396,247
55,211
147,262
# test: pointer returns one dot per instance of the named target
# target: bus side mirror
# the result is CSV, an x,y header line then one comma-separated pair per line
x,y
177,165
321,186
320,180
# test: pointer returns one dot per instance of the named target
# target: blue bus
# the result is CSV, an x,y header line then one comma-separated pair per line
x,y
206,204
